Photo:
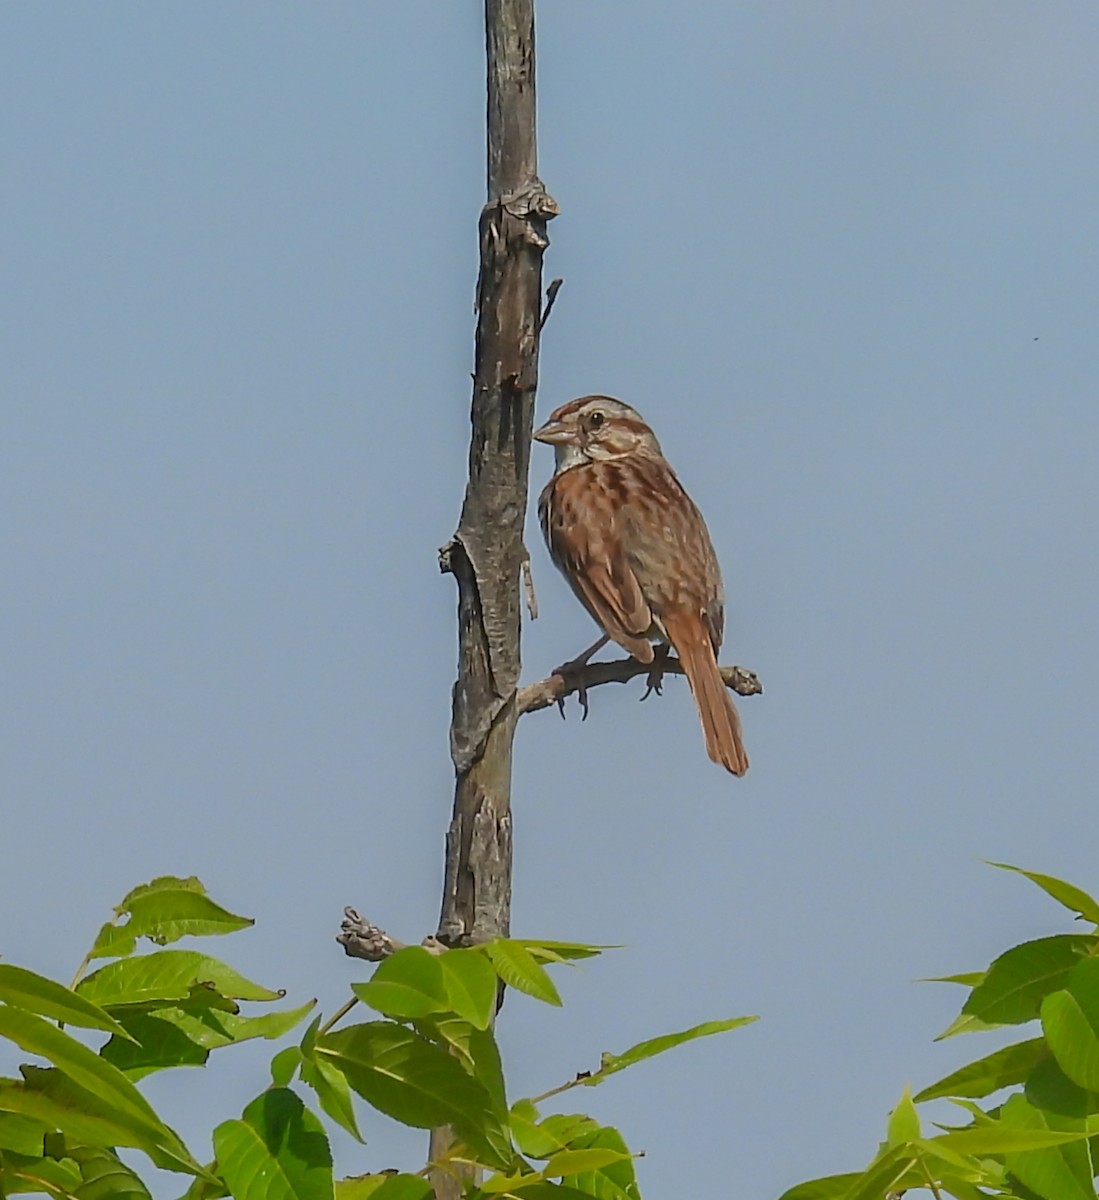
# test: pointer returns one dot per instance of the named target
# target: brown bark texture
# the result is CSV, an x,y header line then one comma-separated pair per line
x,y
487,553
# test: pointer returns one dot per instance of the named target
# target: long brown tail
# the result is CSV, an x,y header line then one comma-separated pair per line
x,y
716,710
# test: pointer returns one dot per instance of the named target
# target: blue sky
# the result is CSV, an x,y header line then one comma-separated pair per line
x,y
843,257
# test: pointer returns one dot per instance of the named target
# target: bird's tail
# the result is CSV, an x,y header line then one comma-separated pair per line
x,y
716,710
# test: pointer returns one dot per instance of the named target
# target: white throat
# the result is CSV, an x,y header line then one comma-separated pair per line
x,y
568,454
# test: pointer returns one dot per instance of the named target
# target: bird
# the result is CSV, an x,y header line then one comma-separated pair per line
x,y
636,552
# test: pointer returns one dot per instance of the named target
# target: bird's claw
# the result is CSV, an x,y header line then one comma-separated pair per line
x,y
568,672
654,681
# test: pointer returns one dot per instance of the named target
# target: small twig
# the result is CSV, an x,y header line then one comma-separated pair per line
x,y
580,1081
554,688
551,296
361,938
528,587
446,565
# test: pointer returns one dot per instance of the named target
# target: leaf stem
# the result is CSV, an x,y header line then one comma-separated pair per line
x,y
930,1181
338,1015
80,970
577,1082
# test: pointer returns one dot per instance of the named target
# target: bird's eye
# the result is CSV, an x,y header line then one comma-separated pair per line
x,y
596,419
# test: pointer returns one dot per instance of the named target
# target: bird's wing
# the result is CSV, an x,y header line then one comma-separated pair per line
x,y
585,543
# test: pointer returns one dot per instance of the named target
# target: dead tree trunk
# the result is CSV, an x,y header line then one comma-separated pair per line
x,y
486,554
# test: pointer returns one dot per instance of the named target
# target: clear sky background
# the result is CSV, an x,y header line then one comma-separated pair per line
x,y
843,256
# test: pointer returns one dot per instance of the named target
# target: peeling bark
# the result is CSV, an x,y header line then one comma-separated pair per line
x,y
486,555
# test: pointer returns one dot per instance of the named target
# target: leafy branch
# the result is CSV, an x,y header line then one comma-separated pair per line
x,y
426,1058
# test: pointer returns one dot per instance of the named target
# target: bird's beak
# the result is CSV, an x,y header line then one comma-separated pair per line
x,y
553,433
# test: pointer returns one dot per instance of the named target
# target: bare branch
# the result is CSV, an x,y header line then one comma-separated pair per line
x,y
551,296
554,688
361,938
528,587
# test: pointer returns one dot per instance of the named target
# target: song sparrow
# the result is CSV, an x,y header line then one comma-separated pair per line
x,y
636,551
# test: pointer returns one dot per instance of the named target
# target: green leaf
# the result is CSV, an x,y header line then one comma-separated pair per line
x,y
518,968
38,1174
470,985
904,1121
162,883
1070,1021
167,975
1051,1090
475,1049
184,1036
103,1176
152,1044
614,1180
969,979
112,941
416,1082
404,1187
234,1028
1072,897
1072,1039
333,1092
1002,1138
1061,1172
542,1189
551,951
1016,982
383,1187
829,1187
962,1189
567,1162
540,1139
576,1162
284,1066
210,1022
986,1075
976,1112
406,984
527,1133
22,1134
24,989
164,910
49,1098
206,1188
53,1098
169,914
360,1187
936,1156
883,1174
613,1063
511,1185
393,1187
487,1068
102,1079
277,1151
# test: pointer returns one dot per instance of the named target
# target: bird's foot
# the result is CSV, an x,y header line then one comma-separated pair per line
x,y
655,679
570,671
